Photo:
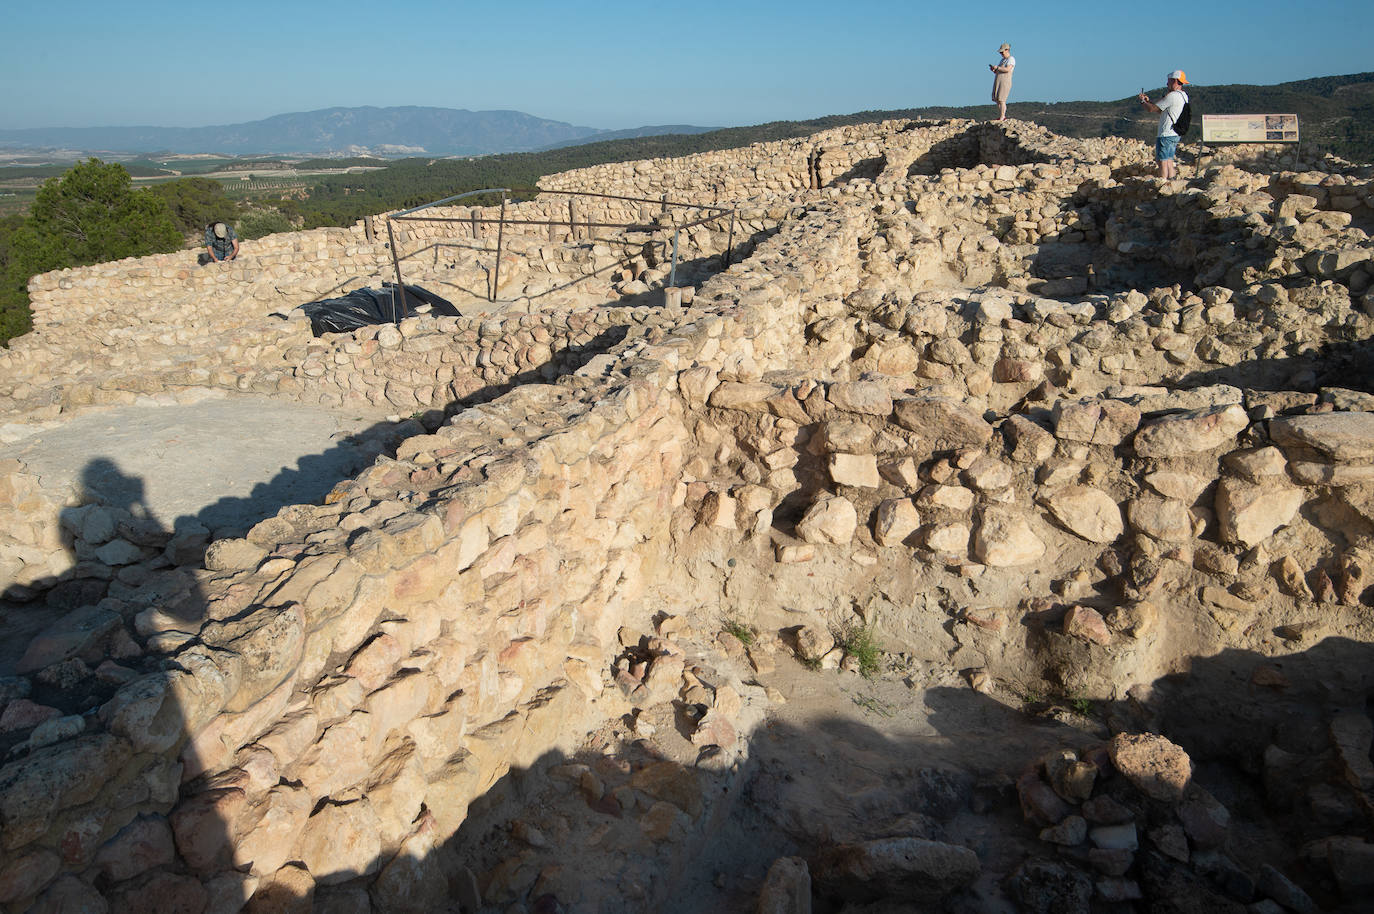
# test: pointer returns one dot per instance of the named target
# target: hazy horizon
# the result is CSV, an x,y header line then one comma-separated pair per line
x,y
623,65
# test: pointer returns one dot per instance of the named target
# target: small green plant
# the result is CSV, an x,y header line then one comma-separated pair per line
x,y
858,642
743,632
872,705
1083,707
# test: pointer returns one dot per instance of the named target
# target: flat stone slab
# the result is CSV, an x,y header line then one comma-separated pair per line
x,y
1342,436
227,463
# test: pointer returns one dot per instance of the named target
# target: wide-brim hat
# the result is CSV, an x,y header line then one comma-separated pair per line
x,y
221,230
1004,47
1178,75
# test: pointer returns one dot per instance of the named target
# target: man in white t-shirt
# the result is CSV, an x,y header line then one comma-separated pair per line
x,y
1169,108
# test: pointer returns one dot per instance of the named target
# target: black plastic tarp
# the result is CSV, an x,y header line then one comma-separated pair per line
x,y
365,307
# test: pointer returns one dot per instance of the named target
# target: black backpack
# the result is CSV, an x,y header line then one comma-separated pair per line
x,y
1184,119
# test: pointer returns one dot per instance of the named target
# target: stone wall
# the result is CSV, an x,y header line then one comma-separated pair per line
x,y
446,615
885,393
423,364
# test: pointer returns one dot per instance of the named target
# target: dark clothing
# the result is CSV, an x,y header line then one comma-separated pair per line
x,y
222,247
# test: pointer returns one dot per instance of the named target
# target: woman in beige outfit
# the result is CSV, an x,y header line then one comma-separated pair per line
x,y
1001,81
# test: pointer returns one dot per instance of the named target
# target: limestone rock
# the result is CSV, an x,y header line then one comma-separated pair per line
x,y
1107,422
1191,431
897,869
1165,519
1248,513
1040,805
1086,623
1070,832
987,474
671,783
1086,512
832,519
901,473
73,634
140,846
894,521
786,889
201,823
1344,437
277,824
1351,861
1204,818
1029,442
1185,487
865,397
1004,538
415,881
1070,777
696,384
233,555
289,889
717,510
170,892
749,397
36,787
25,875
1153,764
341,842
854,470
946,423
1258,465
1290,577
813,643
952,498
948,539
70,894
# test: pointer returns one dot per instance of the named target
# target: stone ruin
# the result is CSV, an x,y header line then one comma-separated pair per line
x,y
995,534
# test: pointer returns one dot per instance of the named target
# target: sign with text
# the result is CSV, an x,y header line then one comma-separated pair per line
x,y
1249,128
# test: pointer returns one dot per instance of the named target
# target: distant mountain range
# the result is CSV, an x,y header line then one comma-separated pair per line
x,y
398,131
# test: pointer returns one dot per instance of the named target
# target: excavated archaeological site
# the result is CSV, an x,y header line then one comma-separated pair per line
x,y
989,529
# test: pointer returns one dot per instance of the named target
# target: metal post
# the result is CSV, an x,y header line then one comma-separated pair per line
x,y
396,261
672,273
730,242
500,239
572,221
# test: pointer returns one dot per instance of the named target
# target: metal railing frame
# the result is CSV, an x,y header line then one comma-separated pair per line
x,y
408,215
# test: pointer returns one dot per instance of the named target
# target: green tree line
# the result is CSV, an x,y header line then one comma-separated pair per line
x,y
92,214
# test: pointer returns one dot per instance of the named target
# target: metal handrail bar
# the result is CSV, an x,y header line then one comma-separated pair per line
x,y
661,202
483,221
404,214
469,193
502,221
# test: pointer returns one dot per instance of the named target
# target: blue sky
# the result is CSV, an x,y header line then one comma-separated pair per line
x,y
617,64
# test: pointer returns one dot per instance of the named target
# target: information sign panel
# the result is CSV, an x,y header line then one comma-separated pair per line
x,y
1249,128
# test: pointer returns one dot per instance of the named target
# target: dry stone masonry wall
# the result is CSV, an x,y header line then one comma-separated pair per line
x,y
1043,423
